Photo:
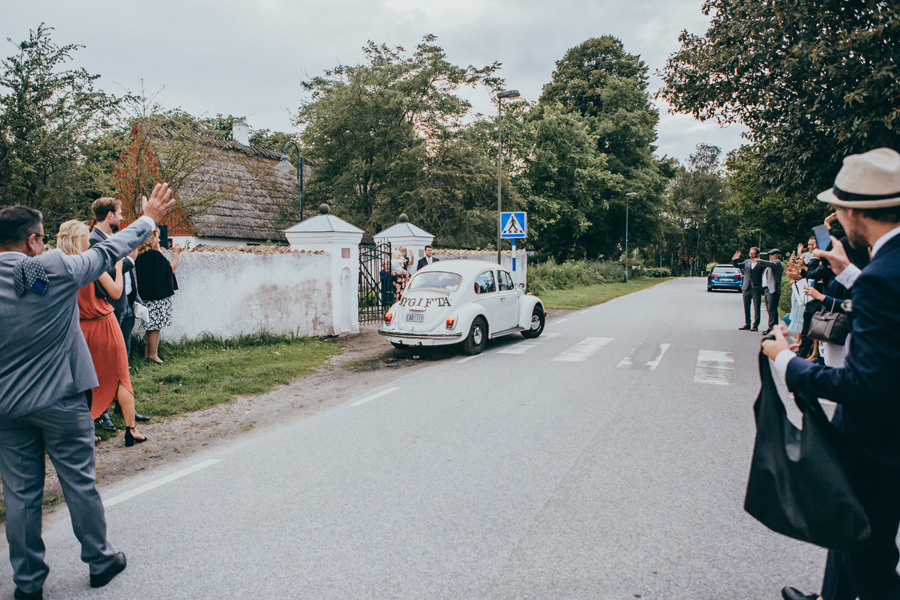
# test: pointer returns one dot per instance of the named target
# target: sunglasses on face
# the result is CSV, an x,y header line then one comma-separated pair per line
x,y
44,238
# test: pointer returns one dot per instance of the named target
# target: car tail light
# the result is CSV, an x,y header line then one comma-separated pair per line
x,y
451,322
388,317
738,276
713,274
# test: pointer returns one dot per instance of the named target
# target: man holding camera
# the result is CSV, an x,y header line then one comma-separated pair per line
x,y
866,195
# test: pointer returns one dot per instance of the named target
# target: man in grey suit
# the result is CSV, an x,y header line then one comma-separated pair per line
x,y
45,369
772,286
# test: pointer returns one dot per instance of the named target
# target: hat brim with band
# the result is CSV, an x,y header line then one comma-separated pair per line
x,y
839,197
868,180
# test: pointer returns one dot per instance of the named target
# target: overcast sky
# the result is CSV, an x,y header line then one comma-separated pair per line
x,y
248,58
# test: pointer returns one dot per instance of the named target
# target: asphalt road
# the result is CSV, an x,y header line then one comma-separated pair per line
x,y
606,459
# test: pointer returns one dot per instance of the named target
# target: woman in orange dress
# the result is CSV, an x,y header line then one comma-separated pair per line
x,y
103,335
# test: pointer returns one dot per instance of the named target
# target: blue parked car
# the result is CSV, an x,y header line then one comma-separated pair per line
x,y
724,277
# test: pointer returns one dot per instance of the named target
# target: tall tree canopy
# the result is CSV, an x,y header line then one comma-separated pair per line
x,y
703,221
48,114
376,128
604,88
813,81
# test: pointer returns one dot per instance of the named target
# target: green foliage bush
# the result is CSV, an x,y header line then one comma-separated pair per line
x,y
657,272
573,273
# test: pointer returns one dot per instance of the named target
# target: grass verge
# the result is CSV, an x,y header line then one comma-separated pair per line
x,y
589,295
209,371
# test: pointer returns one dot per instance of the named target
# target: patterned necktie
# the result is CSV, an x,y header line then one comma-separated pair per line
x,y
30,275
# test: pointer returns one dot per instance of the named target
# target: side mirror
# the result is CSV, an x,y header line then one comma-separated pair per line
x,y
521,286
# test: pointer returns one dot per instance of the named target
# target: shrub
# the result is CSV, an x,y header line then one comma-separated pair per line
x,y
657,272
552,276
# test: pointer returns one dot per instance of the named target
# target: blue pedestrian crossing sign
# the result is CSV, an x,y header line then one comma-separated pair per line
x,y
513,225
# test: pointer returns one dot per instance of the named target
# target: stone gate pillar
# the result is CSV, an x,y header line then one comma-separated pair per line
x,y
340,240
405,234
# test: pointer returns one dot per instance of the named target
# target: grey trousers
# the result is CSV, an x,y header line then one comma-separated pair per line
x,y
66,431
772,307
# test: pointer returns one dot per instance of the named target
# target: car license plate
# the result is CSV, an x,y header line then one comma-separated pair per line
x,y
726,280
417,318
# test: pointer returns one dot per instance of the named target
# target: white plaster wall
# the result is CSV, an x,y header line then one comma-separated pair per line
x,y
229,294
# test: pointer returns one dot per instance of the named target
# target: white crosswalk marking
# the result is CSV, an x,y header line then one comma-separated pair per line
x,y
715,368
645,356
520,348
583,350
550,335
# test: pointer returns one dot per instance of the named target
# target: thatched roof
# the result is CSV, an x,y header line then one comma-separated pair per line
x,y
233,191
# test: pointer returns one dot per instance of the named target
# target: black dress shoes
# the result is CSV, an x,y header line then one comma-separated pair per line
x,y
20,595
101,579
744,328
106,423
767,332
754,329
789,593
137,416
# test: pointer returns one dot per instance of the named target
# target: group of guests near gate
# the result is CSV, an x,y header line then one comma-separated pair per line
x,y
395,274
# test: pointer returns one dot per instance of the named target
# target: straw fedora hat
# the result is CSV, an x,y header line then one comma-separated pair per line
x,y
868,180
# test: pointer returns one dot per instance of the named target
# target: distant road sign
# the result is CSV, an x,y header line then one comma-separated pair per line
x,y
513,225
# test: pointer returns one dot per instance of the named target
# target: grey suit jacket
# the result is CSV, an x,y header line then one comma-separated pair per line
x,y
776,270
43,355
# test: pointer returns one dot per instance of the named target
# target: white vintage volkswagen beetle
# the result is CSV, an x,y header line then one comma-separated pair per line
x,y
461,301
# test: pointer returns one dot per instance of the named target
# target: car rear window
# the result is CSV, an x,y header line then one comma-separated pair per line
x,y
436,279
725,270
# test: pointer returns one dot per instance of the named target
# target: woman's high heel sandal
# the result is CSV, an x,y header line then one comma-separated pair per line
x,y
130,440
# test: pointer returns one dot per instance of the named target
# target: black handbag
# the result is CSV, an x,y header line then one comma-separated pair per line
x,y
829,326
797,485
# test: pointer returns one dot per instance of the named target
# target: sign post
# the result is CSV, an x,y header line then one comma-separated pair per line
x,y
513,226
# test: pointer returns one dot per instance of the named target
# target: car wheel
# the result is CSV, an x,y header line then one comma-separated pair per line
x,y
708,289
477,338
537,323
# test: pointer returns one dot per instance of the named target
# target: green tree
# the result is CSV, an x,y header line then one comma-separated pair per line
x,y
703,222
607,87
566,183
374,128
811,81
48,115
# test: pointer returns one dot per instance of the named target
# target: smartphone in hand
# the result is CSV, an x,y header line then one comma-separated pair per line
x,y
823,236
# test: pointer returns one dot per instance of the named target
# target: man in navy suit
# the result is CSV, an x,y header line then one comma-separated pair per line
x,y
427,259
866,195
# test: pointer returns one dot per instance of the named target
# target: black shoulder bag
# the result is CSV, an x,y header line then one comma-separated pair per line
x,y
797,485
829,326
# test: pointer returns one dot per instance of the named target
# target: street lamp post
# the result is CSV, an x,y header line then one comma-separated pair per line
x,y
627,196
285,165
509,94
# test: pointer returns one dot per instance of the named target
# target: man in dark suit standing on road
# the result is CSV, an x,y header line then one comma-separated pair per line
x,y
751,285
772,286
45,369
866,195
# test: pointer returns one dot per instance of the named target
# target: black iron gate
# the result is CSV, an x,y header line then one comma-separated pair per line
x,y
376,293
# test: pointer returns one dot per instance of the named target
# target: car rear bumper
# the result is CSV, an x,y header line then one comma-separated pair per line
x,y
409,338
